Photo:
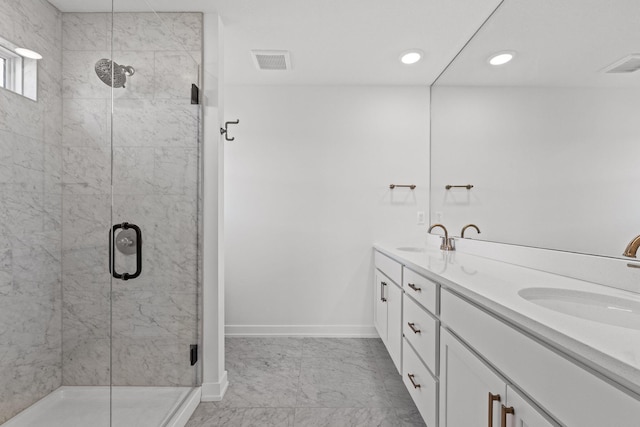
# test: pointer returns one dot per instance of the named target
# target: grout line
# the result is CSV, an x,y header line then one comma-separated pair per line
x,y
298,388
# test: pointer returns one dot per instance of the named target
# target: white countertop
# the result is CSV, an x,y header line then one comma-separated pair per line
x,y
613,351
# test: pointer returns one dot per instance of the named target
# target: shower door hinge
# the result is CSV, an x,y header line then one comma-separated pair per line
x,y
195,94
194,353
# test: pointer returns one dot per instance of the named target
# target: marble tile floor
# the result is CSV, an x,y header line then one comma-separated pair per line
x,y
309,382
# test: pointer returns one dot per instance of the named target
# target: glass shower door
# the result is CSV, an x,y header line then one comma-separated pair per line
x,y
155,213
85,193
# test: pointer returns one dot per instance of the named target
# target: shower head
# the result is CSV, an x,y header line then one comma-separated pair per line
x,y
119,72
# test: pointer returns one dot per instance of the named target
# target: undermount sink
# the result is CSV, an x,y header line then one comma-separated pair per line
x,y
586,305
411,249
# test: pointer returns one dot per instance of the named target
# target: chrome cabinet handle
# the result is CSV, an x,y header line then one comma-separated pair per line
x,y
414,287
411,325
411,376
506,411
382,298
492,398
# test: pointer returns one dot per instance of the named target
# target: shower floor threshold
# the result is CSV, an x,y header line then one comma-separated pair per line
x,y
130,406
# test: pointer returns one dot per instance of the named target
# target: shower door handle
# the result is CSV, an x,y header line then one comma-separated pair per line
x,y
112,257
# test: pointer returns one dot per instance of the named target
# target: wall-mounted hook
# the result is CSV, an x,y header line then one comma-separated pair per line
x,y
223,131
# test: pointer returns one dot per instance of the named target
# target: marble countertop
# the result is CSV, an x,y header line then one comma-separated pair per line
x,y
613,351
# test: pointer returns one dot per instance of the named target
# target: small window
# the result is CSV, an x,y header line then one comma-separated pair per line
x,y
17,74
11,70
3,64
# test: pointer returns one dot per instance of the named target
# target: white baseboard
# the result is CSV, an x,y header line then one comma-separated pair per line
x,y
214,392
337,331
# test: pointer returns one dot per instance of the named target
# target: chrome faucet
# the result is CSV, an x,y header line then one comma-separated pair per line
x,y
467,226
632,247
447,243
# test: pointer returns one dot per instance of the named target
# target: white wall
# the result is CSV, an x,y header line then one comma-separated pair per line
x,y
552,167
307,194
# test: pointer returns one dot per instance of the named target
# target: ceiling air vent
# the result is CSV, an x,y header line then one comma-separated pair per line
x,y
271,59
628,64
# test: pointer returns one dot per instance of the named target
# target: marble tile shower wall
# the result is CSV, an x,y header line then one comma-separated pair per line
x,y
154,129
30,214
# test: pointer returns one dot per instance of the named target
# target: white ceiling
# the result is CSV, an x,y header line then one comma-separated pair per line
x,y
558,43
337,42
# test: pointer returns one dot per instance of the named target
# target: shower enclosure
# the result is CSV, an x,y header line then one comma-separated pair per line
x,y
100,209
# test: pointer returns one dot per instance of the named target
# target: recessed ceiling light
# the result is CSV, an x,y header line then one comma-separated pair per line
x,y
411,56
28,53
501,58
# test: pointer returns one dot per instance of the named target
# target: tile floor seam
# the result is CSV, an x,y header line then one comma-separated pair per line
x,y
298,388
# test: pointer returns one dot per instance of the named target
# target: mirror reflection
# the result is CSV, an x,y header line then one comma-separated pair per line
x,y
539,112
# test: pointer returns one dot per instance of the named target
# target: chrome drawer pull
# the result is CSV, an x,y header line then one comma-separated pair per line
x,y
412,381
414,287
415,331
382,298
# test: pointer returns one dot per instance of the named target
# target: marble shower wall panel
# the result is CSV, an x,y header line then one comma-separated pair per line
x,y
155,156
31,214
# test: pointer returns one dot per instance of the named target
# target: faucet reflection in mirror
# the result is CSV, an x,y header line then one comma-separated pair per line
x,y
632,247
469,226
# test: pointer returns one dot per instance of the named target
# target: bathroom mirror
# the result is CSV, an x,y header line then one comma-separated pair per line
x,y
550,141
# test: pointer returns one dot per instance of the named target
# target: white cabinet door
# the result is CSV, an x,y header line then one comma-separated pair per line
x,y
519,413
394,324
470,393
379,294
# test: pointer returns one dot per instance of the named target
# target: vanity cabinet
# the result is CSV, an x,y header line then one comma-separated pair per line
x,y
420,329
523,413
380,303
422,385
388,306
472,394
570,394
421,289
468,364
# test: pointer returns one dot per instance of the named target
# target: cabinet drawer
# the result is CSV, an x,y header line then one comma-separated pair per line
x,y
574,396
422,289
391,268
425,395
425,341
